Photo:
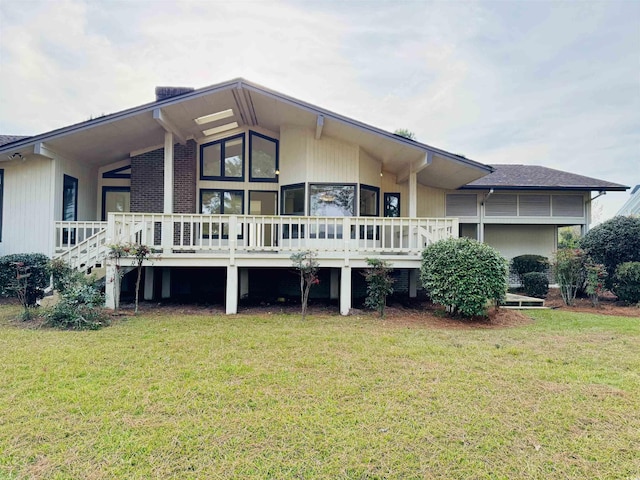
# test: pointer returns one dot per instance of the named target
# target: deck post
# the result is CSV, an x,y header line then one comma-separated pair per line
x,y
334,291
148,283
345,290
413,282
244,282
231,305
166,283
110,287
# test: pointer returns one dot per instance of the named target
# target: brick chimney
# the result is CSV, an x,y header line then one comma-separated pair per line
x,y
162,93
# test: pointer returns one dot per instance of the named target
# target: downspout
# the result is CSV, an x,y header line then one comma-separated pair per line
x,y
481,223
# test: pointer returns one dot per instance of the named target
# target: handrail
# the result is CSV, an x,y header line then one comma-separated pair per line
x,y
87,254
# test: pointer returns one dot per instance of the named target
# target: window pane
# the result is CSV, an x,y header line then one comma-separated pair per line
x,y
368,201
116,201
391,204
263,158
233,203
211,202
69,199
233,157
211,160
332,200
293,200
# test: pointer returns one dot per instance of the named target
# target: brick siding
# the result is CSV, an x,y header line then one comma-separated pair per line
x,y
147,182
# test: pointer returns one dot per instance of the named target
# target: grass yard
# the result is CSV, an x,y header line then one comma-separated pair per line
x,y
332,397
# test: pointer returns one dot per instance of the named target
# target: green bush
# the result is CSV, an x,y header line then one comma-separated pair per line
x,y
626,282
613,242
464,275
37,282
379,284
536,284
569,270
529,263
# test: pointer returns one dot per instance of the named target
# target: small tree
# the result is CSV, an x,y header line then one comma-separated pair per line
x,y
116,252
595,276
568,267
307,265
379,284
20,287
464,275
140,254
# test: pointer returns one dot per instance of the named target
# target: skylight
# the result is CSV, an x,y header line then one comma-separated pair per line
x,y
221,128
212,117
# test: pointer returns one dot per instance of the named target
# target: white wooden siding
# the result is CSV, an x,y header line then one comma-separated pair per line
x,y
331,160
514,240
27,213
370,168
293,155
430,202
87,185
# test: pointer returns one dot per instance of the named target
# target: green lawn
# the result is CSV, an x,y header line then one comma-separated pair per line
x,y
331,397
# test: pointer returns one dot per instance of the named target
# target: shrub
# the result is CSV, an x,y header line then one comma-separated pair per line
x,y
529,263
464,275
569,271
536,284
627,282
613,242
79,308
379,284
595,276
38,281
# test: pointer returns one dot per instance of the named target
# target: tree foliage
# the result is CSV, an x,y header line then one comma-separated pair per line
x,y
627,282
38,280
379,284
307,265
535,284
529,263
613,242
406,133
464,275
569,270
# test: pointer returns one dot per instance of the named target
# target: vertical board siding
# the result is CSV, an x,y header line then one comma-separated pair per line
x,y
87,185
430,202
389,185
369,169
27,222
332,161
293,154
514,240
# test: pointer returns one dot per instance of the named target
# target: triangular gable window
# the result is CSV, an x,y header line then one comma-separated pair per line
x,y
120,172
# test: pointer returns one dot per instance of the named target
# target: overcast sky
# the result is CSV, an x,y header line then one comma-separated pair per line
x,y
548,83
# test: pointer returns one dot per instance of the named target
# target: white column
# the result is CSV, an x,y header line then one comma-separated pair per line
x,y
168,172
413,282
413,194
232,290
345,290
244,282
148,283
110,287
334,291
166,283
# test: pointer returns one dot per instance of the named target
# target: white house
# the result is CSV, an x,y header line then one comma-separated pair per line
x,y
631,206
227,181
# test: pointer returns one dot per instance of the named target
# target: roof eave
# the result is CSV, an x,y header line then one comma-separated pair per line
x,y
591,188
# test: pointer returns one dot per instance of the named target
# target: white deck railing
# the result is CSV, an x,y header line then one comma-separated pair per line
x,y
70,234
254,233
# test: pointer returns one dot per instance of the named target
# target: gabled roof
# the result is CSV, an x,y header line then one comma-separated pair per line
x,y
112,137
6,139
535,177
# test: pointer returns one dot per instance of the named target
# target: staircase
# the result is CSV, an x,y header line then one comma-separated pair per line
x,y
88,256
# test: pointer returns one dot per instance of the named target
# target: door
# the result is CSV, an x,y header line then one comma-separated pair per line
x,y
263,233
69,208
115,199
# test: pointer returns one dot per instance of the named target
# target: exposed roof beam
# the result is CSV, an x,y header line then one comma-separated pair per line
x,y
163,120
319,125
415,167
245,105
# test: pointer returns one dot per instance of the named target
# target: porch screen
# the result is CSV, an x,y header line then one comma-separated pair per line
x,y
461,205
568,206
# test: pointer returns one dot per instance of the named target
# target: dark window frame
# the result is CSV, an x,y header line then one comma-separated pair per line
x,y
222,142
106,189
1,199
277,166
335,184
73,180
292,186
263,191
371,188
222,191
388,195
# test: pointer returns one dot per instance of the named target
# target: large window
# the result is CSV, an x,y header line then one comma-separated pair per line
x,y
115,199
392,204
217,202
369,201
70,199
223,159
263,158
1,195
292,199
332,200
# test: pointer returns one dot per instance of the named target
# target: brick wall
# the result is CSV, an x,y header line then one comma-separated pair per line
x,y
184,178
147,182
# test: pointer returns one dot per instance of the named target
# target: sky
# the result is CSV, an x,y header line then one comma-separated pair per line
x,y
530,82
